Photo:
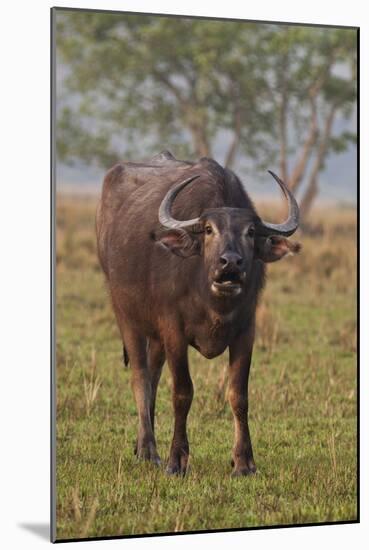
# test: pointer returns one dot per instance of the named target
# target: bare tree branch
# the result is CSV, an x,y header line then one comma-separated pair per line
x,y
169,84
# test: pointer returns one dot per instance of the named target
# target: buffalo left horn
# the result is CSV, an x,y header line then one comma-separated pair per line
x,y
288,227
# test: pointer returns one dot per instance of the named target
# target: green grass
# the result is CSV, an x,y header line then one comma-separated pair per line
x,y
302,403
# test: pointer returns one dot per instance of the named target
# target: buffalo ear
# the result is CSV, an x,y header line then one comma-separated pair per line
x,y
274,248
178,241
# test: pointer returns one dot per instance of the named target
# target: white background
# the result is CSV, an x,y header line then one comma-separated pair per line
x,y
25,237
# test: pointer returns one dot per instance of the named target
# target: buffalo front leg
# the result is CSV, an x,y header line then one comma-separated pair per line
x,y
142,391
156,358
182,394
240,360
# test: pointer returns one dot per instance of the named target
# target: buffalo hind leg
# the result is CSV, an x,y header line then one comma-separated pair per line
x,y
182,394
141,386
240,360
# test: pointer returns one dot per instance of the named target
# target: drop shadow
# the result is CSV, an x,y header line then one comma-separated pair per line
x,y
42,530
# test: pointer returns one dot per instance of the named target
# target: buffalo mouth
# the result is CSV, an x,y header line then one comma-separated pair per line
x,y
228,283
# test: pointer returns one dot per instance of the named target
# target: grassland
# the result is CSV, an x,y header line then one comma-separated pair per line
x,y
302,401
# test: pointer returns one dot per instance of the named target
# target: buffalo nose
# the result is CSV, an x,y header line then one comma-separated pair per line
x,y
230,259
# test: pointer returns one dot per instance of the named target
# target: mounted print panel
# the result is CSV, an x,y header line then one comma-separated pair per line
x,y
204,184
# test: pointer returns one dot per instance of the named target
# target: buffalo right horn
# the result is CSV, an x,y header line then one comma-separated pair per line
x,y
165,216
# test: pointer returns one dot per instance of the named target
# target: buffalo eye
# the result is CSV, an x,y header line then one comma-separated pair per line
x,y
208,230
251,231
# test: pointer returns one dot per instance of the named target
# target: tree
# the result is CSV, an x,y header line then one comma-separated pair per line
x,y
312,83
146,82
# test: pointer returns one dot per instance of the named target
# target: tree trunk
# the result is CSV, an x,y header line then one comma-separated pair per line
x,y
308,198
200,141
312,188
231,154
283,131
307,148
196,123
313,133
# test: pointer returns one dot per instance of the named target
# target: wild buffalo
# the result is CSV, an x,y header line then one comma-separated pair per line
x,y
183,251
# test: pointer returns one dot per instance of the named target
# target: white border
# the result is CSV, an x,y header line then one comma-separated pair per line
x,y
25,238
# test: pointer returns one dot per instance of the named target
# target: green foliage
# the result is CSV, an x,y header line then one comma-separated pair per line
x,y
302,401
339,144
136,84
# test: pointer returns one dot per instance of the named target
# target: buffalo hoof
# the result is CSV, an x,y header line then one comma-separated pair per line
x,y
147,452
243,467
178,465
240,472
177,471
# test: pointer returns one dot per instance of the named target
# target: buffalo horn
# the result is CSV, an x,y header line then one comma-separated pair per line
x,y
291,224
165,216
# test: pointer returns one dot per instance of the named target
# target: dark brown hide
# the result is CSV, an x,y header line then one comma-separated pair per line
x,y
163,285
